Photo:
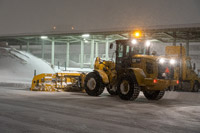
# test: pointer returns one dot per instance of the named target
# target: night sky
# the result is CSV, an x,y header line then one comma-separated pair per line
x,y
39,16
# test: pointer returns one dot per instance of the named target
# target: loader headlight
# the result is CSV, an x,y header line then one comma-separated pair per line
x,y
134,41
172,61
147,43
162,61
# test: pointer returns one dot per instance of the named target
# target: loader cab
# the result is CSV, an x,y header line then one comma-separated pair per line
x,y
126,49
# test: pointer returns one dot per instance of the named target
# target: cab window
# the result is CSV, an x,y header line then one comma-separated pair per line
x,y
149,68
188,63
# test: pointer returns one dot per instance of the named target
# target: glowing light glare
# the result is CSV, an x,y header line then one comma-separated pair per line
x,y
137,34
147,43
172,61
85,35
86,41
134,41
44,37
162,60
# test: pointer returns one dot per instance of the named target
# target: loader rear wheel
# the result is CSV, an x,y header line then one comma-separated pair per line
x,y
111,90
196,87
127,88
153,95
93,84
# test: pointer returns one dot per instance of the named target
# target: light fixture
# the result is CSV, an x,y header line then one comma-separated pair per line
x,y
44,37
162,60
86,35
147,43
172,61
137,34
134,41
86,41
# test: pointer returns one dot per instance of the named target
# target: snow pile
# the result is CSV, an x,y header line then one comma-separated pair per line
x,y
18,66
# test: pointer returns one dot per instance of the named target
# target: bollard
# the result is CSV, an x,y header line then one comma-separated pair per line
x,y
65,66
58,65
34,72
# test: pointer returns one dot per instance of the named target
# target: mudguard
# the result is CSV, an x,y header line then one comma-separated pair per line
x,y
103,75
139,75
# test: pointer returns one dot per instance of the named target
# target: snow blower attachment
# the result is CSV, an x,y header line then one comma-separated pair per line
x,y
58,81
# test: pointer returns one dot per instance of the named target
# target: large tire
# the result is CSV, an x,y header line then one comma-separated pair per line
x,y
153,95
93,84
196,87
111,90
127,87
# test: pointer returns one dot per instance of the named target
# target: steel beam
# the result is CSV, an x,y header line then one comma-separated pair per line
x,y
96,49
43,49
107,49
52,52
67,54
82,54
92,54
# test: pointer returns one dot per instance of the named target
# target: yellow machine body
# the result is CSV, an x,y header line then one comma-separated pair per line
x,y
57,81
184,69
147,79
107,71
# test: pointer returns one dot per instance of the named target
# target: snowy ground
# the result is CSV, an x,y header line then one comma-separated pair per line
x,y
24,111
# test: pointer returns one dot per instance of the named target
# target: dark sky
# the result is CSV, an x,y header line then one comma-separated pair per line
x,y
37,16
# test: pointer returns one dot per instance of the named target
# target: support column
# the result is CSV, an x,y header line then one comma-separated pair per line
x,y
67,54
97,49
52,52
27,47
82,54
174,41
20,46
107,49
92,54
43,49
187,45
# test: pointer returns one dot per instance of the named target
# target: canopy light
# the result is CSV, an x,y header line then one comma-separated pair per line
x,y
85,35
147,43
172,61
134,41
86,41
137,34
162,60
44,37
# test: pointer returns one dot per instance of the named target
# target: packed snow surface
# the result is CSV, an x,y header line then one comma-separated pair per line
x,y
18,66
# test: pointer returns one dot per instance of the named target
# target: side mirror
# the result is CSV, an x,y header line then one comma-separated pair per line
x,y
194,66
111,46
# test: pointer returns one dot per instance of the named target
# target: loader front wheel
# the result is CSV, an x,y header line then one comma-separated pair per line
x,y
127,88
153,94
93,84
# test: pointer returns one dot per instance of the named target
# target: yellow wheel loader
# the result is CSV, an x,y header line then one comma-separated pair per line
x,y
134,70
189,80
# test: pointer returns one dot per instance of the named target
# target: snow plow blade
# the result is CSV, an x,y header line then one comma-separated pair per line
x,y
62,81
